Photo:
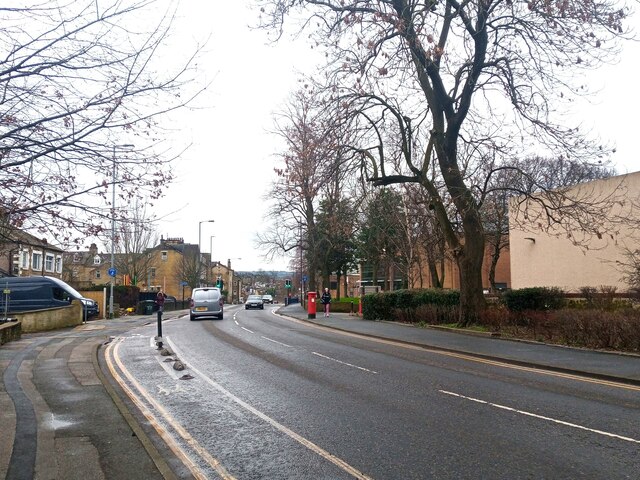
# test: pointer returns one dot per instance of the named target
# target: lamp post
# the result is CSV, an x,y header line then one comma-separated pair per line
x,y
112,270
200,238
211,247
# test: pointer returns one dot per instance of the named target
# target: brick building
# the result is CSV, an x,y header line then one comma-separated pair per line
x,y
23,255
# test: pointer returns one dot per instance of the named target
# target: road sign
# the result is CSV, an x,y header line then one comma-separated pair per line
x,y
183,283
112,272
304,278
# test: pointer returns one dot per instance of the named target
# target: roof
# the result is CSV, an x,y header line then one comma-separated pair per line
x,y
17,236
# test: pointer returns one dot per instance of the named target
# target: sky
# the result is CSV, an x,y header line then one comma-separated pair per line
x,y
228,169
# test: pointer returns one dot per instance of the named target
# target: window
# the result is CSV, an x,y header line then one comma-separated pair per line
x,y
74,272
98,274
163,255
59,263
97,260
15,264
76,258
153,272
48,262
60,294
24,259
36,261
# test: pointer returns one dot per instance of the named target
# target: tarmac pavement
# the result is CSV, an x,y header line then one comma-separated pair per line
x,y
62,416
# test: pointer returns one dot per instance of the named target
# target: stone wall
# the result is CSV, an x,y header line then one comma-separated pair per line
x,y
50,318
10,331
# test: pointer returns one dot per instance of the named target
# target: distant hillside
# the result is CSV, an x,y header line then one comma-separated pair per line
x,y
267,273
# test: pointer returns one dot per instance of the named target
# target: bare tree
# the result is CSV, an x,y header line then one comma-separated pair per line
x,y
467,78
308,161
135,237
77,83
531,176
190,268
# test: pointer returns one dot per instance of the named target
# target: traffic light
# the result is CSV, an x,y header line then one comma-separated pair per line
x,y
287,283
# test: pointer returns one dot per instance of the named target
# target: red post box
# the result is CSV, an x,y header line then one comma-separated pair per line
x,y
311,304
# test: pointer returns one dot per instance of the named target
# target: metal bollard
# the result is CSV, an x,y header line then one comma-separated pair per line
x,y
159,338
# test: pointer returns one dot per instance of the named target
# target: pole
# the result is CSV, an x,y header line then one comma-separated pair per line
x,y
159,342
200,240
113,232
113,227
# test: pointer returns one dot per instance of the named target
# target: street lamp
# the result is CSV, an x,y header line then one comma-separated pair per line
x,y
211,247
199,243
112,270
200,232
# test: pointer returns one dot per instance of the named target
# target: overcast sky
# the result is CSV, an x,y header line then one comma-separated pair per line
x,y
229,167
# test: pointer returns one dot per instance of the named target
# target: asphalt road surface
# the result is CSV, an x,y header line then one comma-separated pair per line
x,y
268,397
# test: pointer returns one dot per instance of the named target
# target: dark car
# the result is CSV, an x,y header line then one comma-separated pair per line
x,y
90,307
254,301
41,292
206,302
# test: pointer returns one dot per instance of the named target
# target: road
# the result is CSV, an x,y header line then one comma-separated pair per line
x,y
265,396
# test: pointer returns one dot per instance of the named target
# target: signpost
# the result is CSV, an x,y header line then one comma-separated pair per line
x,y
183,284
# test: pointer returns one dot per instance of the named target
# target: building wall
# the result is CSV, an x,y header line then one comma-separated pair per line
x,y
18,259
422,279
553,258
165,273
85,269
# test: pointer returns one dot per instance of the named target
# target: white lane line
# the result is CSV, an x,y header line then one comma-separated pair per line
x,y
469,358
246,329
290,433
541,417
112,351
344,363
279,343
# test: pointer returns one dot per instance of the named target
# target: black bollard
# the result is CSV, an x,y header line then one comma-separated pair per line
x,y
159,328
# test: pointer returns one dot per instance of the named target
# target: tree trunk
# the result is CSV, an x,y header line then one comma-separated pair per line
x,y
374,274
346,284
469,259
495,256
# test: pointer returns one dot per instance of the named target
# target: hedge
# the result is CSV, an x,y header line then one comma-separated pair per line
x,y
394,304
534,298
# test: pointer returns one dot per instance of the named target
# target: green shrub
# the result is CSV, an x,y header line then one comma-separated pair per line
x,y
124,295
407,305
343,307
534,298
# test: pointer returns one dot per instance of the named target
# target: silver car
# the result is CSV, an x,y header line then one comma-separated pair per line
x,y
206,302
254,301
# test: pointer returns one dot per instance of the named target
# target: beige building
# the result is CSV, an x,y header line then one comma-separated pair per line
x,y
585,247
231,283
24,255
170,264
84,269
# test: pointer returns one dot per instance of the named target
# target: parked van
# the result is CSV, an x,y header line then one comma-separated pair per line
x,y
19,294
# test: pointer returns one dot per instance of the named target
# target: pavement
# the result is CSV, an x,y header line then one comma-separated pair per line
x,y
63,417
